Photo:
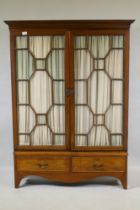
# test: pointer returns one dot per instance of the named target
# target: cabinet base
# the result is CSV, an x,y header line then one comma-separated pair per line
x,y
71,177
71,167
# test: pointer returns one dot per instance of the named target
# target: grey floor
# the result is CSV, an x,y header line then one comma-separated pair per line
x,y
39,194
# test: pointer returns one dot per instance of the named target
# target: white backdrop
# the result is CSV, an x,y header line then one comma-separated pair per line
x,y
68,9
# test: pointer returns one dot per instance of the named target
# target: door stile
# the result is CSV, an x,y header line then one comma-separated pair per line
x,y
67,86
14,89
72,101
126,89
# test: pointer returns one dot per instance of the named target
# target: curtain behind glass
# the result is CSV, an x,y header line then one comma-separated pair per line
x,y
98,67
40,88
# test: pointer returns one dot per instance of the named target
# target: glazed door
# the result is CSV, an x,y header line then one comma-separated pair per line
x,y
41,104
70,90
99,91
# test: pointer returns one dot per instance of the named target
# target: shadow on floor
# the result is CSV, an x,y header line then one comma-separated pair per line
x,y
35,180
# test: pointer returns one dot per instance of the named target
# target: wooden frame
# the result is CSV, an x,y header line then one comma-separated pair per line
x,y
70,28
125,33
14,91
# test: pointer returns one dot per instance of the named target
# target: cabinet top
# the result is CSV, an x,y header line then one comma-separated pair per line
x,y
69,24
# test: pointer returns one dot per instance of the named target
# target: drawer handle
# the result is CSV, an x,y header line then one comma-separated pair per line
x,y
98,165
43,165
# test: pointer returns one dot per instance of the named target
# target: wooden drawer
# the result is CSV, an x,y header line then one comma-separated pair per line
x,y
92,164
43,164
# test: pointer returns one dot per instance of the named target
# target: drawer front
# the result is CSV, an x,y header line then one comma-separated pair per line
x,y
92,164
43,164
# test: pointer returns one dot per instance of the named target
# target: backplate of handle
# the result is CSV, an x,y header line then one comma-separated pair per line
x,y
43,165
98,165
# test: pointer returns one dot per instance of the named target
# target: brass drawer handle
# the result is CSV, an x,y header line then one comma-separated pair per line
x,y
43,165
98,165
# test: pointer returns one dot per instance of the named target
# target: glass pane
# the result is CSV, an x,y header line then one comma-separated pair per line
x,y
117,42
59,140
23,96
80,92
24,140
40,64
117,92
41,92
41,136
99,119
99,136
98,75
80,42
40,46
114,64
116,140
56,119
41,119
26,119
21,42
99,92
83,64
55,64
98,46
58,42
99,64
114,117
24,64
83,119
59,92
81,140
